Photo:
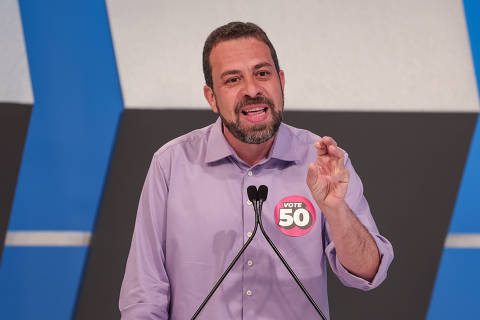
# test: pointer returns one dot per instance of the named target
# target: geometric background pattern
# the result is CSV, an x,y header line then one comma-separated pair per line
x,y
456,288
89,90
71,131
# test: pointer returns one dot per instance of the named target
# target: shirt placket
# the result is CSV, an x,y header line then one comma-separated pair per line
x,y
247,260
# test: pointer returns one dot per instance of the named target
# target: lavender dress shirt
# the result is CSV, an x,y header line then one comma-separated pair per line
x,y
194,216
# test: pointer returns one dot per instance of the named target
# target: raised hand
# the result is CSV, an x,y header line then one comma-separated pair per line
x,y
327,178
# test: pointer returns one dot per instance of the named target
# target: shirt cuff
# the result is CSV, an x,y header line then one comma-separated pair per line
x,y
348,279
143,311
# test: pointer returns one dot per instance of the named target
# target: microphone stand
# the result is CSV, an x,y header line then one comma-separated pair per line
x,y
253,196
257,198
259,219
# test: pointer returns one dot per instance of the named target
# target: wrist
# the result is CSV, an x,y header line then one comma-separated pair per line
x,y
336,209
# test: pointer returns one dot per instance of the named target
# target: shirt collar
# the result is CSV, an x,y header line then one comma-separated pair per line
x,y
217,146
284,147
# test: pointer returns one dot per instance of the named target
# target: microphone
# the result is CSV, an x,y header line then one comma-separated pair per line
x,y
262,193
252,193
262,196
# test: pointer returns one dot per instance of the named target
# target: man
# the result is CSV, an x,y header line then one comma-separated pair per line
x,y
194,214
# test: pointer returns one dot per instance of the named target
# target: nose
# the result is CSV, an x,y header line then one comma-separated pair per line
x,y
251,88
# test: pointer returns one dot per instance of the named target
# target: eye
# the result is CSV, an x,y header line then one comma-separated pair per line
x,y
232,80
263,73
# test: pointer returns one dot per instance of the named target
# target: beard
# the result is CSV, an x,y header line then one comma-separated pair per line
x,y
258,133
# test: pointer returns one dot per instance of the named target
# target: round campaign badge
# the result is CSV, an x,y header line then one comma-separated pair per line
x,y
295,215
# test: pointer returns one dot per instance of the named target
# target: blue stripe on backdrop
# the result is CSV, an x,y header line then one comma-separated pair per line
x,y
40,283
456,289
66,156
455,295
466,216
74,118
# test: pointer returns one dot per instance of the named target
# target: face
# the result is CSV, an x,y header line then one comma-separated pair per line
x,y
247,90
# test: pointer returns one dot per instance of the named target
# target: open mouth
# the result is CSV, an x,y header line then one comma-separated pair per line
x,y
255,112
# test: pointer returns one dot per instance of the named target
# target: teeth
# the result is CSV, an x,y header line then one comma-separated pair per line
x,y
256,112
255,109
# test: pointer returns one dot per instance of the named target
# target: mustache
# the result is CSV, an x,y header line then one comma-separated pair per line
x,y
257,100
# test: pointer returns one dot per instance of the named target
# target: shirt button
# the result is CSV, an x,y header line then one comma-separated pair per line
x,y
249,234
248,293
250,173
249,202
250,263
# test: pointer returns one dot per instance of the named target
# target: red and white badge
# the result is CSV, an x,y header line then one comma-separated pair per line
x,y
295,216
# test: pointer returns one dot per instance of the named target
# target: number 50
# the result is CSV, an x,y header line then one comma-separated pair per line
x,y
301,218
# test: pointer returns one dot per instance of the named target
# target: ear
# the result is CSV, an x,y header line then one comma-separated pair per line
x,y
208,93
282,78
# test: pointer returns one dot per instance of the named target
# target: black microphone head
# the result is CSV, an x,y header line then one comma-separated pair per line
x,y
262,192
252,193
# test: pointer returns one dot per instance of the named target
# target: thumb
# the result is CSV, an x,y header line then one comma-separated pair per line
x,y
312,175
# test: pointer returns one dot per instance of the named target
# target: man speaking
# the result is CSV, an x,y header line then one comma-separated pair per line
x,y
194,213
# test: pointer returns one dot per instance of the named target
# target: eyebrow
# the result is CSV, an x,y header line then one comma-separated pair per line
x,y
257,66
261,65
229,72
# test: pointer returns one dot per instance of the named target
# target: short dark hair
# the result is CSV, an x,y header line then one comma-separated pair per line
x,y
233,30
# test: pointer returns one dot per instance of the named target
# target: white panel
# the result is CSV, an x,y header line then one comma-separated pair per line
x,y
463,241
372,55
15,83
47,238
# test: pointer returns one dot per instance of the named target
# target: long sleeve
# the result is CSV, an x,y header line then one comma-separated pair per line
x,y
359,206
145,292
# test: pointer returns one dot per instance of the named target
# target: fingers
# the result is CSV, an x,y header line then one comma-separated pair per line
x,y
329,140
328,145
321,147
335,151
323,143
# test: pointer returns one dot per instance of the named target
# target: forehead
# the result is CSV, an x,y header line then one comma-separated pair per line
x,y
239,54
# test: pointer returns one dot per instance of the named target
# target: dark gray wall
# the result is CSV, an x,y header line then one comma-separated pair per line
x,y
14,120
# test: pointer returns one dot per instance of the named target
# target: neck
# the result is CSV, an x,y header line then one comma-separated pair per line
x,y
250,153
